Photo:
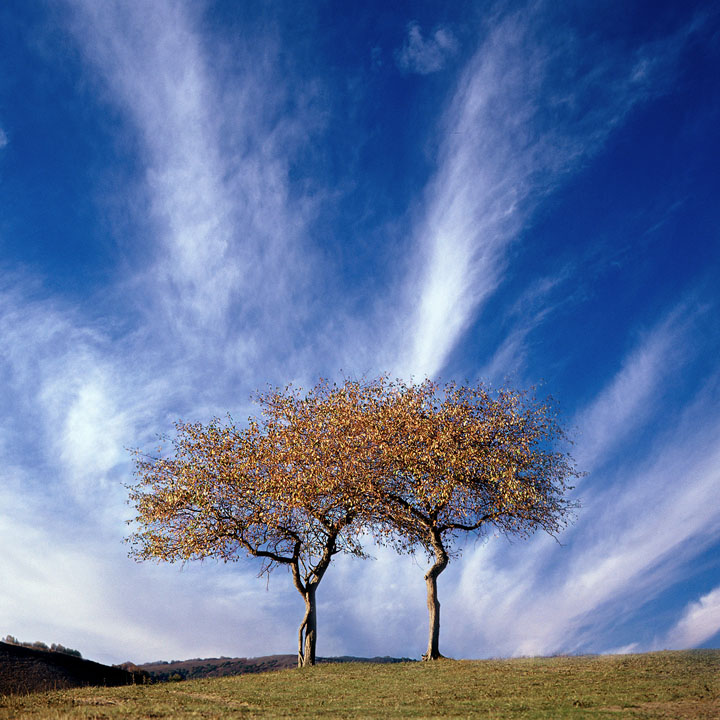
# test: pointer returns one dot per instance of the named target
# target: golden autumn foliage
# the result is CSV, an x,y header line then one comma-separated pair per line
x,y
284,489
415,464
458,459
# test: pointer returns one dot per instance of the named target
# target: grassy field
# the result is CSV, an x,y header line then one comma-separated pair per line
x,y
658,685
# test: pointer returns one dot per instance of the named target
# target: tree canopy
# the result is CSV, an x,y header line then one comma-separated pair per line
x,y
417,465
460,459
283,489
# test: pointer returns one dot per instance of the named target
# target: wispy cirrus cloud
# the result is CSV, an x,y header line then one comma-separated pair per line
x,y
517,124
620,409
531,310
164,88
228,239
425,55
79,402
235,279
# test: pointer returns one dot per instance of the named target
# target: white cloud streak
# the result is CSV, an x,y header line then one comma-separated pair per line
x,y
515,127
236,283
231,256
153,61
700,621
71,406
620,409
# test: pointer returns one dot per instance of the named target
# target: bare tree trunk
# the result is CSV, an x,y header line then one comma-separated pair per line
x,y
307,637
301,636
307,634
433,604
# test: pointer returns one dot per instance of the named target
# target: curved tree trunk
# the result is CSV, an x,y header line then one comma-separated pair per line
x,y
433,604
307,586
307,635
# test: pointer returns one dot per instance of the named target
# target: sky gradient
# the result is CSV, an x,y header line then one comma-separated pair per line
x,y
201,199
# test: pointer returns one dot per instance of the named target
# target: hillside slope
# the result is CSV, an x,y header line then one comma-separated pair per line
x,y
224,667
661,686
26,670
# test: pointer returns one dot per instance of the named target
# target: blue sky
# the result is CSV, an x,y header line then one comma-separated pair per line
x,y
199,199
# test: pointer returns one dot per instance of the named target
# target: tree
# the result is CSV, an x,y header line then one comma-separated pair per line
x,y
285,490
460,460
416,464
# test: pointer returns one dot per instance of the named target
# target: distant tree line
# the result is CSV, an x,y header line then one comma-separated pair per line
x,y
37,645
416,466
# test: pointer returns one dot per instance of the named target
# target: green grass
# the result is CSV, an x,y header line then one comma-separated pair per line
x,y
657,685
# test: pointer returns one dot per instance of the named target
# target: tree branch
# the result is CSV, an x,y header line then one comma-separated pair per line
x,y
469,528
